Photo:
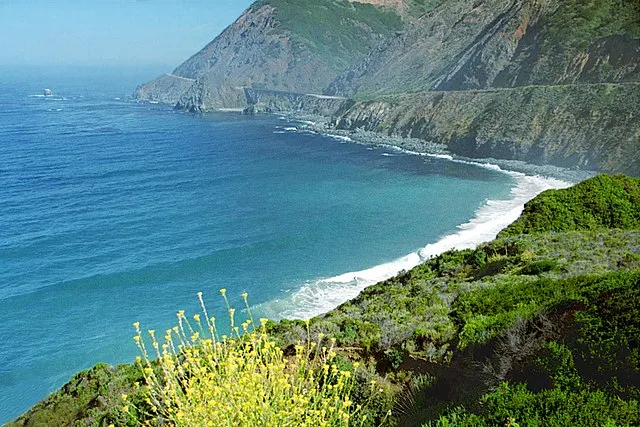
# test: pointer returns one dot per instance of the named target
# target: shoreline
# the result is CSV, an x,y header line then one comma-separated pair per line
x,y
419,147
316,298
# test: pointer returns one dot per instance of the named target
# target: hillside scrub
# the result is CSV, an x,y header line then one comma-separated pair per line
x,y
603,202
519,331
197,377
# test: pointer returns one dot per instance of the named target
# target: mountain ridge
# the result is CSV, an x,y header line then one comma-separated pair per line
x,y
544,81
274,45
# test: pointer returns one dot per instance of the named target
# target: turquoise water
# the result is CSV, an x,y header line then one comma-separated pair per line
x,y
113,212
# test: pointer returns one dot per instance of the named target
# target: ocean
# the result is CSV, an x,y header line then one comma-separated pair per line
x,y
113,212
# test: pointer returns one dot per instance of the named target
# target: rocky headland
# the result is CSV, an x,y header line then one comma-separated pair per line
x,y
547,82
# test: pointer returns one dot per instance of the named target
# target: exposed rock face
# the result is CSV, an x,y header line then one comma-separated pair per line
x,y
270,101
475,44
267,47
593,127
166,89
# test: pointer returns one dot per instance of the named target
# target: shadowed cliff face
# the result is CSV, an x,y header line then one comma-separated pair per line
x,y
594,127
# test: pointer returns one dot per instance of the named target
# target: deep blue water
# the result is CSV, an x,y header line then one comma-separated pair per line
x,y
113,212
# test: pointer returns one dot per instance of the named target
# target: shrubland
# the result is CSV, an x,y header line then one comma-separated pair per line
x,y
539,327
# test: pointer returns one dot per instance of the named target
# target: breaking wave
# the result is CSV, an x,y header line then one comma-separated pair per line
x,y
319,296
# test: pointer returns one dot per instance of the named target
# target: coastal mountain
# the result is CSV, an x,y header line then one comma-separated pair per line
x,y
285,45
543,81
538,327
546,82
477,45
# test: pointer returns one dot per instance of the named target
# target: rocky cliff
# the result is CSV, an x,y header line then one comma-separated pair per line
x,y
286,45
272,101
594,127
545,81
480,44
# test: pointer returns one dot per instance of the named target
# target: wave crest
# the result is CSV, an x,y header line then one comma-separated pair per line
x,y
320,296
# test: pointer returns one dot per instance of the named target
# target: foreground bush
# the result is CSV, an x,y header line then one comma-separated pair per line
x,y
244,379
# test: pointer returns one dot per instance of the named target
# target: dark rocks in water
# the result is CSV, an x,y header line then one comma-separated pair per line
x,y
47,92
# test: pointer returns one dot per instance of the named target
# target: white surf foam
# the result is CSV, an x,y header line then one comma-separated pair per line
x,y
320,296
441,156
341,138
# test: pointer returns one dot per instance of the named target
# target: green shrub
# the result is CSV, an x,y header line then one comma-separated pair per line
x,y
602,202
202,379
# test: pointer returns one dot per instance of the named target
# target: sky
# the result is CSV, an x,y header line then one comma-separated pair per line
x,y
110,32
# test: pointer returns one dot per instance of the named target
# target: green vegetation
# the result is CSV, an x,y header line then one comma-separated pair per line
x,y
577,23
536,329
200,378
337,31
604,202
91,398
418,8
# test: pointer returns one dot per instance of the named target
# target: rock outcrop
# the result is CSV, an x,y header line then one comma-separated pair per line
x,y
594,127
277,45
166,89
272,101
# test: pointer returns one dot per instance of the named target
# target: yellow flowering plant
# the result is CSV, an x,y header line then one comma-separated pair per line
x,y
245,379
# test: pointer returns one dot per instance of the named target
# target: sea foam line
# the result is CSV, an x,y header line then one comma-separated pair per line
x,y
320,296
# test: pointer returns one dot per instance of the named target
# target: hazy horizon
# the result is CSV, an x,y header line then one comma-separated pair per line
x,y
114,33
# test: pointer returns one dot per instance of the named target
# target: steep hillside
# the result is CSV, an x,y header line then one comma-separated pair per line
x,y
604,202
471,44
592,127
287,45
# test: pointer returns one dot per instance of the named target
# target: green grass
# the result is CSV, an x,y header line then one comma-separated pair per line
x,y
593,370
338,31
577,23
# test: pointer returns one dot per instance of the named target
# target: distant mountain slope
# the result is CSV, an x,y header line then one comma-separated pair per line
x,y
473,44
586,126
542,81
288,45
